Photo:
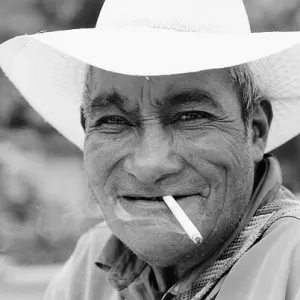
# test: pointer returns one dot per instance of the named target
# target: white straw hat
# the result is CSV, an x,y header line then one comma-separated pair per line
x,y
154,37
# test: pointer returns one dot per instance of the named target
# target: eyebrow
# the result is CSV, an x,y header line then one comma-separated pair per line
x,y
109,99
195,96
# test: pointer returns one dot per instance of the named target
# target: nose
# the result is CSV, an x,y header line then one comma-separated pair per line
x,y
153,160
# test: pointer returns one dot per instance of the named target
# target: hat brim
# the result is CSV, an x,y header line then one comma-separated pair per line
x,y
49,68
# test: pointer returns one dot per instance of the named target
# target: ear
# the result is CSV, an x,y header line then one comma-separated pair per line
x,y
82,118
260,124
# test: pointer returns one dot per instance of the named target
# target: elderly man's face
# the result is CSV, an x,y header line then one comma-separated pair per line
x,y
179,135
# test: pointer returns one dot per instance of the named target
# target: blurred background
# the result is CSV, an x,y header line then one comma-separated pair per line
x,y
44,206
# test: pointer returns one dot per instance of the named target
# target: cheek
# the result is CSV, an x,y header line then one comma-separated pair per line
x,y
226,164
100,157
222,150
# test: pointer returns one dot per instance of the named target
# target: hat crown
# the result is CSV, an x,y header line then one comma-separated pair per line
x,y
207,16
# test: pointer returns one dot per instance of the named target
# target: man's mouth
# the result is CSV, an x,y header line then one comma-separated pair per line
x,y
156,199
140,198
138,206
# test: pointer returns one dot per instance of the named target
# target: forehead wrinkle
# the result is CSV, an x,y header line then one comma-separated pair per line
x,y
186,88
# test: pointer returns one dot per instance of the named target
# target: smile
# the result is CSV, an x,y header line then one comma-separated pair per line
x,y
139,198
131,198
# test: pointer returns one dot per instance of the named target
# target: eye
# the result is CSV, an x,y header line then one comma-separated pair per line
x,y
113,120
192,116
111,124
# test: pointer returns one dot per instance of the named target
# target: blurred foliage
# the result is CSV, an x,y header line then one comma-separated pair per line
x,y
43,202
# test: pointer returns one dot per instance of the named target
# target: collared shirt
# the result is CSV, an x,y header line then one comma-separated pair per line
x,y
103,268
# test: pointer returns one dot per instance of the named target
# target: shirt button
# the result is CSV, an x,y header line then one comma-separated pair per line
x,y
176,288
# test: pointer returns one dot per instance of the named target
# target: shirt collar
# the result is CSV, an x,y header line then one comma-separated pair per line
x,y
122,265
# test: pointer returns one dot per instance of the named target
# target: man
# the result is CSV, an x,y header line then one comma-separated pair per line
x,y
175,98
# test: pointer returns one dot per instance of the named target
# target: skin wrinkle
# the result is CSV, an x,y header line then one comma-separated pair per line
x,y
88,103
88,152
220,209
214,153
210,236
241,78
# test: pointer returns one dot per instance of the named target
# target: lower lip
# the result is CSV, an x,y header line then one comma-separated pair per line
x,y
142,203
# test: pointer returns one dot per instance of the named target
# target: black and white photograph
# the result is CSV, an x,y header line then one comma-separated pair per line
x,y
149,150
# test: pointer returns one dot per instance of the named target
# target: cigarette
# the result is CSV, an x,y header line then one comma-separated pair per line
x,y
183,220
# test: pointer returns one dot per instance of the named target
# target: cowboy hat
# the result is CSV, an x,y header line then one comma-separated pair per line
x,y
180,36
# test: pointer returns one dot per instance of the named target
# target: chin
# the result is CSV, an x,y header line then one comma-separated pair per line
x,y
150,247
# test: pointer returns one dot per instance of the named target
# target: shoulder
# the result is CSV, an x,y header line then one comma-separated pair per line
x,y
77,277
92,242
283,238
270,269
286,228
